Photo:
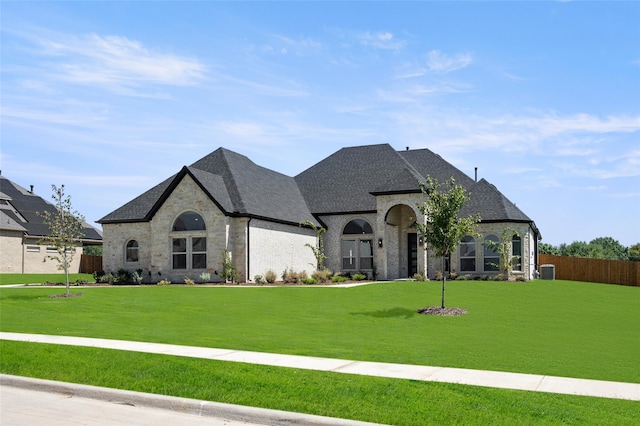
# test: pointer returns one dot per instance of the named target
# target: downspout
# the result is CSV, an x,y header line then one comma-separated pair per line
x,y
249,249
23,250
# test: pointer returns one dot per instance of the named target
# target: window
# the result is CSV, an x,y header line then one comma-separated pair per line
x,y
189,242
491,256
516,252
467,254
189,221
33,248
357,253
131,251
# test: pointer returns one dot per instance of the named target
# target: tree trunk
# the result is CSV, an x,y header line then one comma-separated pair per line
x,y
66,272
444,278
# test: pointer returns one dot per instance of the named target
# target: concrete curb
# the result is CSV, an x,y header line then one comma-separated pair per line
x,y
176,404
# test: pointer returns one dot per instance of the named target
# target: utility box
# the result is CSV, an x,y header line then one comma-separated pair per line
x,y
548,272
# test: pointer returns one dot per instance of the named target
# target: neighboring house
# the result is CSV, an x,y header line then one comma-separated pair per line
x,y
365,197
22,228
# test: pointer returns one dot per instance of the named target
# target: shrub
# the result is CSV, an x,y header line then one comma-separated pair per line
x,y
339,279
189,281
270,276
359,277
137,276
229,271
97,276
107,278
164,282
205,277
418,276
80,281
308,280
290,276
322,276
123,277
259,279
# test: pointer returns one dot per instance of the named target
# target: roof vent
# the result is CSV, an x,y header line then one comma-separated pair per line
x,y
31,190
407,148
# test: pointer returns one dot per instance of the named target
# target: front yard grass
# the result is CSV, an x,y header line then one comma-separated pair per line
x,y
556,328
7,279
373,399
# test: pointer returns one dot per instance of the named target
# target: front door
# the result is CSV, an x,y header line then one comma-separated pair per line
x,y
412,250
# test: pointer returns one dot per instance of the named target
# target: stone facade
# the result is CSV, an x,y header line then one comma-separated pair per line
x,y
273,246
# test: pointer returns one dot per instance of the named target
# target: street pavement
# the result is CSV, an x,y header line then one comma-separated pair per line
x,y
27,401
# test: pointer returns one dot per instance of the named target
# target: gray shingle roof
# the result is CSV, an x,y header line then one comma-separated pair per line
x,y
236,184
491,204
29,206
346,181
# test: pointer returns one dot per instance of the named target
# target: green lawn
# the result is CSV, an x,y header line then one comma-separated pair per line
x,y
374,399
6,279
545,327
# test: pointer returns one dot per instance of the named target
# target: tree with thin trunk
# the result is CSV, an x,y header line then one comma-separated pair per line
x,y
66,229
443,228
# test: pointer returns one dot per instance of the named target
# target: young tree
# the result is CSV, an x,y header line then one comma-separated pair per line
x,y
318,250
504,248
66,229
443,228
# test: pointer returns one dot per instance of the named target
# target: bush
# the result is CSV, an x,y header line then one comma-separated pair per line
x,y
270,276
322,275
123,277
418,276
290,276
205,277
339,279
137,276
308,280
259,279
164,282
97,276
359,277
107,278
189,281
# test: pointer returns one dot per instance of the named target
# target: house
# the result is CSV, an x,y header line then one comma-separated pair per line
x,y
22,228
365,197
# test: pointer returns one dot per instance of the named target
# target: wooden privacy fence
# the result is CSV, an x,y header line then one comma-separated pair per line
x,y
90,264
594,270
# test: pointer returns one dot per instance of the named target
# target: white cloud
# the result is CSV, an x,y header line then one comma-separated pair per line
x,y
439,62
381,40
113,62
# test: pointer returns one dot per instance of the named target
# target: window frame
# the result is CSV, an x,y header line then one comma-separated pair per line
x,y
361,241
491,255
468,241
516,255
128,249
188,244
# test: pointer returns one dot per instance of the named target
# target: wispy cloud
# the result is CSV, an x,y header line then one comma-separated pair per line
x,y
439,62
381,40
112,62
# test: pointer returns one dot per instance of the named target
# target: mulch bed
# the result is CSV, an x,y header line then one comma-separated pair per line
x,y
64,296
443,312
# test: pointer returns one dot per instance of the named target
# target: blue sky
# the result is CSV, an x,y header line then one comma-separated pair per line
x,y
110,98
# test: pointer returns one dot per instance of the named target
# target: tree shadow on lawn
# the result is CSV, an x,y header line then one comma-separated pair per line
x,y
389,313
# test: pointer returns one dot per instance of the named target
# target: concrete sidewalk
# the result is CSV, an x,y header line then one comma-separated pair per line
x,y
495,379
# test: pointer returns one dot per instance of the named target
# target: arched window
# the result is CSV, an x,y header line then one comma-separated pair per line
x,y
467,254
516,252
189,242
189,221
131,251
491,255
357,246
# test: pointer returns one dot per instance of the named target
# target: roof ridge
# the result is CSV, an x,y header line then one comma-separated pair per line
x,y
231,184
